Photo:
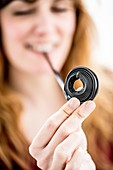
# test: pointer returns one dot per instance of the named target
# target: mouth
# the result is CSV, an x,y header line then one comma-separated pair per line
x,y
41,48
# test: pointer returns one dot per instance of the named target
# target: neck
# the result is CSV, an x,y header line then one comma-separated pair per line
x,y
37,87
40,95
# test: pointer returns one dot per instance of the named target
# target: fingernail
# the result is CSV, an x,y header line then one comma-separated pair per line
x,y
73,102
71,105
89,106
86,109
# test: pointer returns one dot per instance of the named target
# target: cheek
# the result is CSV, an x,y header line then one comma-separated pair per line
x,y
68,25
12,38
67,29
14,31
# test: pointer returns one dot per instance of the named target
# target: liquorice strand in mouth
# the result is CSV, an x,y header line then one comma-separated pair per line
x,y
57,75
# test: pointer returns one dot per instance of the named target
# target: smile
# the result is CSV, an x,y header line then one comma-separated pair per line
x,y
43,48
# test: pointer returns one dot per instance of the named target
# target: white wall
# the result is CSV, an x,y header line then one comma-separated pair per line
x,y
102,13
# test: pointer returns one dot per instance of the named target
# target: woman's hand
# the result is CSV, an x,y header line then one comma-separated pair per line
x,y
61,144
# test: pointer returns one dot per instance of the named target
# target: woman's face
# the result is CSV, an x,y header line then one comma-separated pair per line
x,y
31,29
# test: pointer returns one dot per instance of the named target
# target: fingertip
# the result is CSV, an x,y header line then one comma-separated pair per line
x,y
90,105
85,109
73,103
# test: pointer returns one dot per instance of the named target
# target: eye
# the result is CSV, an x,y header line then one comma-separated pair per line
x,y
62,6
24,12
58,9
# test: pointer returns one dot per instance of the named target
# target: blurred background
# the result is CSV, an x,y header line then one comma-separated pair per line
x,y
102,13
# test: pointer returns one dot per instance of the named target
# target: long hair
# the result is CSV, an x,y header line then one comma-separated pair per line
x,y
13,144
14,152
81,47
98,127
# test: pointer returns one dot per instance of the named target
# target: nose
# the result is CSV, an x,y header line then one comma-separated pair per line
x,y
44,23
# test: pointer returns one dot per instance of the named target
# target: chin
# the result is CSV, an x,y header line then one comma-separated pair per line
x,y
42,71
57,67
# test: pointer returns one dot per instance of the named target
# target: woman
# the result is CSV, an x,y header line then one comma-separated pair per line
x,y
30,97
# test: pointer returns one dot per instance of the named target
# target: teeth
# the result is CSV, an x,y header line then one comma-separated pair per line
x,y
43,48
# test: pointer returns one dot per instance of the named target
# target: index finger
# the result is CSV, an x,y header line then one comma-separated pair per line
x,y
54,122
72,124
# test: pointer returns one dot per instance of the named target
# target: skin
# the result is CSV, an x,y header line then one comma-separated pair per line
x,y
62,131
29,30
45,109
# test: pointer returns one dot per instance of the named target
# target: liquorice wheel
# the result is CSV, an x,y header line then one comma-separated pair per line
x,y
89,80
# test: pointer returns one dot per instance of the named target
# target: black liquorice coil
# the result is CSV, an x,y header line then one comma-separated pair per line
x,y
89,80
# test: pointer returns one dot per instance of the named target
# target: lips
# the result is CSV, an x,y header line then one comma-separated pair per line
x,y
41,48
45,48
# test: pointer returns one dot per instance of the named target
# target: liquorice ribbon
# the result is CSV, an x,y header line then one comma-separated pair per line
x,y
87,76
89,80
